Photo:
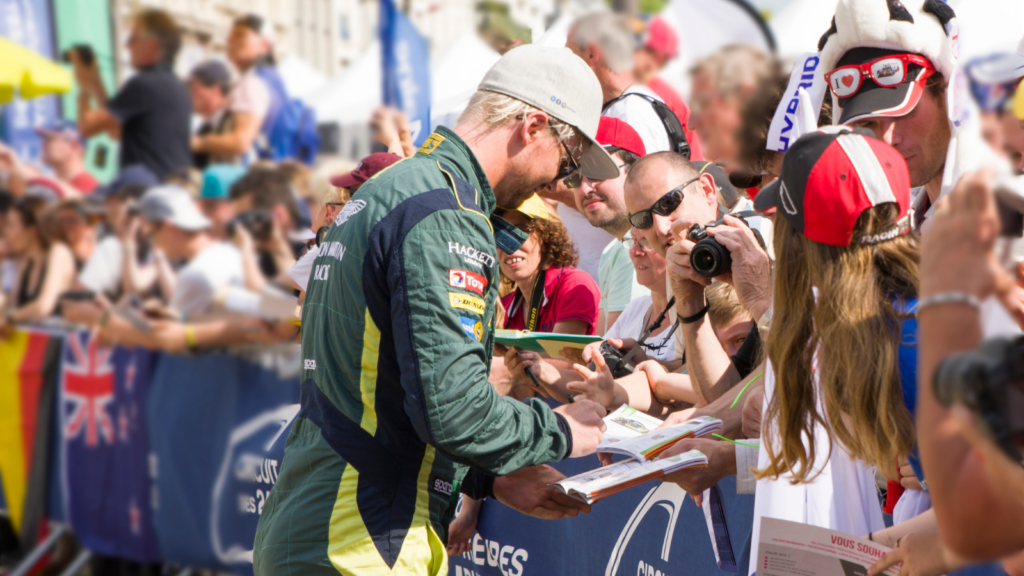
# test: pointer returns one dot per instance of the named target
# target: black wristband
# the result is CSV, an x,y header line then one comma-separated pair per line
x,y
563,427
477,485
697,316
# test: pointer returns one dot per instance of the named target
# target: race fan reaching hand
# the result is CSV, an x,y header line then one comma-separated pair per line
x,y
598,385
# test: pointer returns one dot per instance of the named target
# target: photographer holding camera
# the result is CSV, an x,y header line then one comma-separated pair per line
x,y
977,489
267,225
666,197
151,113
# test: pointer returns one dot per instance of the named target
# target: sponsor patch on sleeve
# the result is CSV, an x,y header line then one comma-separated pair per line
x,y
473,328
467,280
467,302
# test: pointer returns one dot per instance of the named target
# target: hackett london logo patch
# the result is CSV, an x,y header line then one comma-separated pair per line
x,y
467,302
467,280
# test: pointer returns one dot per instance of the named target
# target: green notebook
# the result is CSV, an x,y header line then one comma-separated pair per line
x,y
543,342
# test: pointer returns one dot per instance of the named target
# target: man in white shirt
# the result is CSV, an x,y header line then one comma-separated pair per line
x,y
605,42
180,230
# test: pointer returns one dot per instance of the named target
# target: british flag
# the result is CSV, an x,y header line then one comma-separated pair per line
x,y
89,388
105,448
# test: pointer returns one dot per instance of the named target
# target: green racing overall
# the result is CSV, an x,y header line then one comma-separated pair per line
x,y
397,334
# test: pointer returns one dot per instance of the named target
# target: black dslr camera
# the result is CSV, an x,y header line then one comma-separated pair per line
x,y
85,54
989,381
616,360
709,258
258,222
618,363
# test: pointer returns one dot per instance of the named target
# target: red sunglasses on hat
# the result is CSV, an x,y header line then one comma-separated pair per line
x,y
887,72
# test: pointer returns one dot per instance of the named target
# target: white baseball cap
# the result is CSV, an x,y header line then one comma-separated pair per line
x,y
557,82
173,204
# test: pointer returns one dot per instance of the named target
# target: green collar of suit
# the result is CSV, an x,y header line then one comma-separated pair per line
x,y
449,148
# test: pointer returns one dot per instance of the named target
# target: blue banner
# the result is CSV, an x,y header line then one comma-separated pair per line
x,y
217,424
653,529
28,23
406,62
104,447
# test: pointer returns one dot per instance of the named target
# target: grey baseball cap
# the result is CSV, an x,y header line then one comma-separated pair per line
x,y
561,84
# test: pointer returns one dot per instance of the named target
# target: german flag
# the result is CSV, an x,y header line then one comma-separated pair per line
x,y
29,368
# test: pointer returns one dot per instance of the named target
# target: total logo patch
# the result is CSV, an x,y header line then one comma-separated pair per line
x,y
474,329
467,280
467,302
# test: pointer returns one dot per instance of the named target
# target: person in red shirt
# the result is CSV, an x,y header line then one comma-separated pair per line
x,y
64,153
570,300
659,46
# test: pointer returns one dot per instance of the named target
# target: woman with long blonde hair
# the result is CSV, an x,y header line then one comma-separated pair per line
x,y
842,347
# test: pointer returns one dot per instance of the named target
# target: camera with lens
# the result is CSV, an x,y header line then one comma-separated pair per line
x,y
616,361
709,258
85,54
990,382
258,223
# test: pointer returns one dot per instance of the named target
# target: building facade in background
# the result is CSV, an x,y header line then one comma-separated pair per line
x,y
329,35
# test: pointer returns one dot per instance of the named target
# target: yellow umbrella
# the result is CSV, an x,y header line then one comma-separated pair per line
x,y
28,72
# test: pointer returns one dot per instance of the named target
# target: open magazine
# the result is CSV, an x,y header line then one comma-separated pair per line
x,y
635,434
543,342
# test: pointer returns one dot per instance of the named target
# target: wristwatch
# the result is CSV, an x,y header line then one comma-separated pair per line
x,y
766,318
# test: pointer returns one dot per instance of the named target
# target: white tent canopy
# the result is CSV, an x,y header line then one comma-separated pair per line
x,y
300,78
355,94
455,74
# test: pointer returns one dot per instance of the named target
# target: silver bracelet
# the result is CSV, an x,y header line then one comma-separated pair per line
x,y
947,298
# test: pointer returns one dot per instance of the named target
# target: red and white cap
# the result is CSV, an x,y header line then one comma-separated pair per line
x,y
615,135
832,176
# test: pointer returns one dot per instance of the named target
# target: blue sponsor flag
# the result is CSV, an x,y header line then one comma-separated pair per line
x,y
29,23
406,62
104,447
218,425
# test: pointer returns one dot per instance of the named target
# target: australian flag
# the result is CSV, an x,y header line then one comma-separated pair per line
x,y
104,471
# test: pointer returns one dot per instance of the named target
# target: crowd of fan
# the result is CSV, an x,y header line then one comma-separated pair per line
x,y
187,249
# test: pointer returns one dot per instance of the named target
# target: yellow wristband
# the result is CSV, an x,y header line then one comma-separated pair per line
x,y
190,336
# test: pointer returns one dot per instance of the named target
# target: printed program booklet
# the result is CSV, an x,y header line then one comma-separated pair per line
x,y
634,434
794,549
543,342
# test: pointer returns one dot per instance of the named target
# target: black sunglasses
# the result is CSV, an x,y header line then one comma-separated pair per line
x,y
569,164
665,205
575,180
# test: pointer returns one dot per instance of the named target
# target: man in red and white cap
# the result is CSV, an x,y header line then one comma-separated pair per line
x,y
660,45
602,203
